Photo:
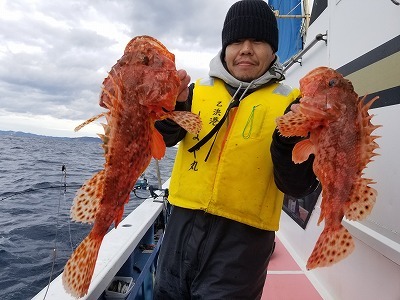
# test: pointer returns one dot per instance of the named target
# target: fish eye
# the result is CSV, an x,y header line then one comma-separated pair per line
x,y
332,82
146,60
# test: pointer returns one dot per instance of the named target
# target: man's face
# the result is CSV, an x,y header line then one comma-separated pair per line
x,y
248,59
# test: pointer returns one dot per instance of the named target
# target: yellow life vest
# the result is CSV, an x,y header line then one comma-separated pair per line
x,y
236,181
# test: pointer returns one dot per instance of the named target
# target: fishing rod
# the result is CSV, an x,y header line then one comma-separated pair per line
x,y
142,184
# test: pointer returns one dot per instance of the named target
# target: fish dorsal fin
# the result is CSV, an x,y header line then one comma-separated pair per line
x,y
368,144
187,120
88,121
362,200
302,151
157,145
87,199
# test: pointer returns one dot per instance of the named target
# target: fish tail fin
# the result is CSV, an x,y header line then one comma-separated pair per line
x,y
362,200
333,245
79,269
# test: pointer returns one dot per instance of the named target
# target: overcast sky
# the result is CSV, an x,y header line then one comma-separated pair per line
x,y
55,54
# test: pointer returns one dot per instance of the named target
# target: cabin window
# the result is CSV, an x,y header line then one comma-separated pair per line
x,y
300,209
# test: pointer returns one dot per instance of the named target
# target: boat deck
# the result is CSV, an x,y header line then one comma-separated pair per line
x,y
285,278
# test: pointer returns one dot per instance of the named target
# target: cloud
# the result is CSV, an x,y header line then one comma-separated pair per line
x,y
55,54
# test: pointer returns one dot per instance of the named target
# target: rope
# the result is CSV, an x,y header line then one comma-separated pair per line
x,y
249,124
64,184
30,190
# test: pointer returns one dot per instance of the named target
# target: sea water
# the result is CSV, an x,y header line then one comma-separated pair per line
x,y
39,177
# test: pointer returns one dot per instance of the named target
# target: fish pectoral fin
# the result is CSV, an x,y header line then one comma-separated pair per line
x,y
333,245
293,124
187,120
362,200
87,199
79,269
157,145
302,151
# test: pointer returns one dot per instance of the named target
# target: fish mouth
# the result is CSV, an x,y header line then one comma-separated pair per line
x,y
168,109
161,112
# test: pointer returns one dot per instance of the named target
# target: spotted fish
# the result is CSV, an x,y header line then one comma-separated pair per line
x,y
141,88
339,129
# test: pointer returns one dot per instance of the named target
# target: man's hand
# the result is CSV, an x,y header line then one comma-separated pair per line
x,y
183,88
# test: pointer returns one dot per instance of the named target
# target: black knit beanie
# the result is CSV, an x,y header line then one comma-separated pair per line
x,y
250,19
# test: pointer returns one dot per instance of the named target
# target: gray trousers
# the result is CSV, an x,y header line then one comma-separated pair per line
x,y
204,256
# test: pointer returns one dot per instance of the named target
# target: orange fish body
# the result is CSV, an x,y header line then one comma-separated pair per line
x,y
140,89
339,129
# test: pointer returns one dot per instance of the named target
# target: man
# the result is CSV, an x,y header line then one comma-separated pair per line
x,y
226,203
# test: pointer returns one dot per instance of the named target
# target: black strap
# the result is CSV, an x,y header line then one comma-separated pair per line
x,y
217,127
234,102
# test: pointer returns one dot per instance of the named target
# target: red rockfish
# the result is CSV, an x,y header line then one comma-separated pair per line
x,y
339,130
141,88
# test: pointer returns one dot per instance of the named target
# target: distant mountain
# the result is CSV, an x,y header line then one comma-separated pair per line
x,y
26,134
17,133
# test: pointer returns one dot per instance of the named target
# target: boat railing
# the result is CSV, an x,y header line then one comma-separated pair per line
x,y
297,57
130,250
